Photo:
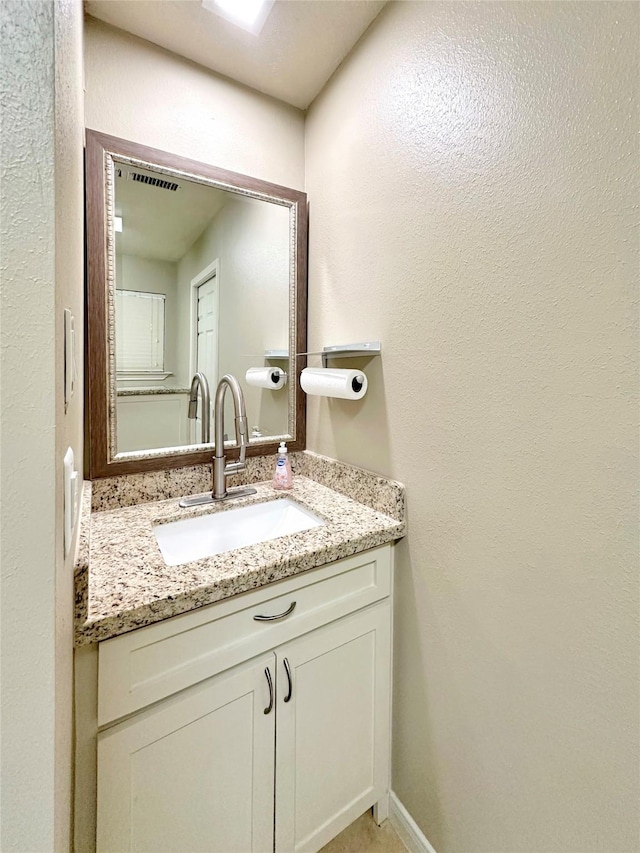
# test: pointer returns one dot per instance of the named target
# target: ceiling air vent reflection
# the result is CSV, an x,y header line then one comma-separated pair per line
x,y
154,182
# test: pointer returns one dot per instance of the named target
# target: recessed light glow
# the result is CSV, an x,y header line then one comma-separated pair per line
x,y
248,14
117,223
244,10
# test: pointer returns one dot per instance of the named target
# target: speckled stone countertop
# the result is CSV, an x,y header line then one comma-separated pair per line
x,y
135,392
123,583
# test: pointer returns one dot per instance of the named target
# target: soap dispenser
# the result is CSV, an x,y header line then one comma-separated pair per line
x,y
282,476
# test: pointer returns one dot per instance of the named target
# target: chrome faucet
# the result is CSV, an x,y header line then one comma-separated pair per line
x,y
199,382
221,468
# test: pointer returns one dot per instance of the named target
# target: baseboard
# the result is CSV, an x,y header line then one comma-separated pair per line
x,y
408,830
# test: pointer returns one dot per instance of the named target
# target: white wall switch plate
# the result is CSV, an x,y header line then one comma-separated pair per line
x,y
71,495
69,357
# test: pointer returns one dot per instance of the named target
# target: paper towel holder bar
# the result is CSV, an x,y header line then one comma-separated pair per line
x,y
367,348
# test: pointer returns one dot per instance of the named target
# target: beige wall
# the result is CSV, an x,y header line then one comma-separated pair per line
x,y
41,244
471,175
140,92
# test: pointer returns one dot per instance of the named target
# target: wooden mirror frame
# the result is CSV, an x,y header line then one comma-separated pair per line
x,y
100,148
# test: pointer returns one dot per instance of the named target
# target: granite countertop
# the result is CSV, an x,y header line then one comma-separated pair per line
x,y
123,583
137,392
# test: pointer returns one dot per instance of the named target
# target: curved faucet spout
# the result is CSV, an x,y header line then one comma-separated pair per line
x,y
220,468
200,383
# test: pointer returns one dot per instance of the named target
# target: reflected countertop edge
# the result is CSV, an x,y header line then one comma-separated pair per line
x,y
141,392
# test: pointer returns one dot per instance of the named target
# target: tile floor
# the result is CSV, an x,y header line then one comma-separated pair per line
x,y
364,836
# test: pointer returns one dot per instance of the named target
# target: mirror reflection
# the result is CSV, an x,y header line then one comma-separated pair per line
x,y
202,285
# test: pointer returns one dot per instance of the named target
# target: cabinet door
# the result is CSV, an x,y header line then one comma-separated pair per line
x,y
193,773
332,748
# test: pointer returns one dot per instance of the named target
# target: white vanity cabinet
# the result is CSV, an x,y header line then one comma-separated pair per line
x,y
194,773
332,743
222,732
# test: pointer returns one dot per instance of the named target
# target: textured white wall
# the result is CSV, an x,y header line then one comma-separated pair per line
x,y
69,293
27,420
42,270
472,176
140,92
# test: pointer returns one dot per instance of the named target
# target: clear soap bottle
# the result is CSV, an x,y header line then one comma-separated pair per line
x,y
282,476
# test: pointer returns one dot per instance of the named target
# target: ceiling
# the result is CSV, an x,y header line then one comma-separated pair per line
x,y
158,223
300,46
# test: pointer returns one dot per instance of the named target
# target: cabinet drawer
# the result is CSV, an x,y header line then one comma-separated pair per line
x,y
146,665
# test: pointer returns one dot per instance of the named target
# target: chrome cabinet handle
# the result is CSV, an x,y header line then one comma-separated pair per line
x,y
275,618
269,707
287,668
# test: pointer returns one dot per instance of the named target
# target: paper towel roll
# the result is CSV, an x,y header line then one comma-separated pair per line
x,y
328,382
266,377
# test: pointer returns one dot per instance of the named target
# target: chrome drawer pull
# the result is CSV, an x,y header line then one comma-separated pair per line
x,y
268,709
277,616
287,698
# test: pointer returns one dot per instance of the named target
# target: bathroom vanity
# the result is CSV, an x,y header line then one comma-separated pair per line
x,y
252,706
224,712
238,701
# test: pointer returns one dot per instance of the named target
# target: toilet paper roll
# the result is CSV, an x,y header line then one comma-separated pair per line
x,y
266,377
328,382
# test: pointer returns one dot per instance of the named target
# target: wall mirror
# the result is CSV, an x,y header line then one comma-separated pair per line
x,y
190,269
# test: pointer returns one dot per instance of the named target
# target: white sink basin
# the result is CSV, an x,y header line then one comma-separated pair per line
x,y
207,535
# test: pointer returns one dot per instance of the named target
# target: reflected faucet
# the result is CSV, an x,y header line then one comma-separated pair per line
x,y
221,468
199,382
